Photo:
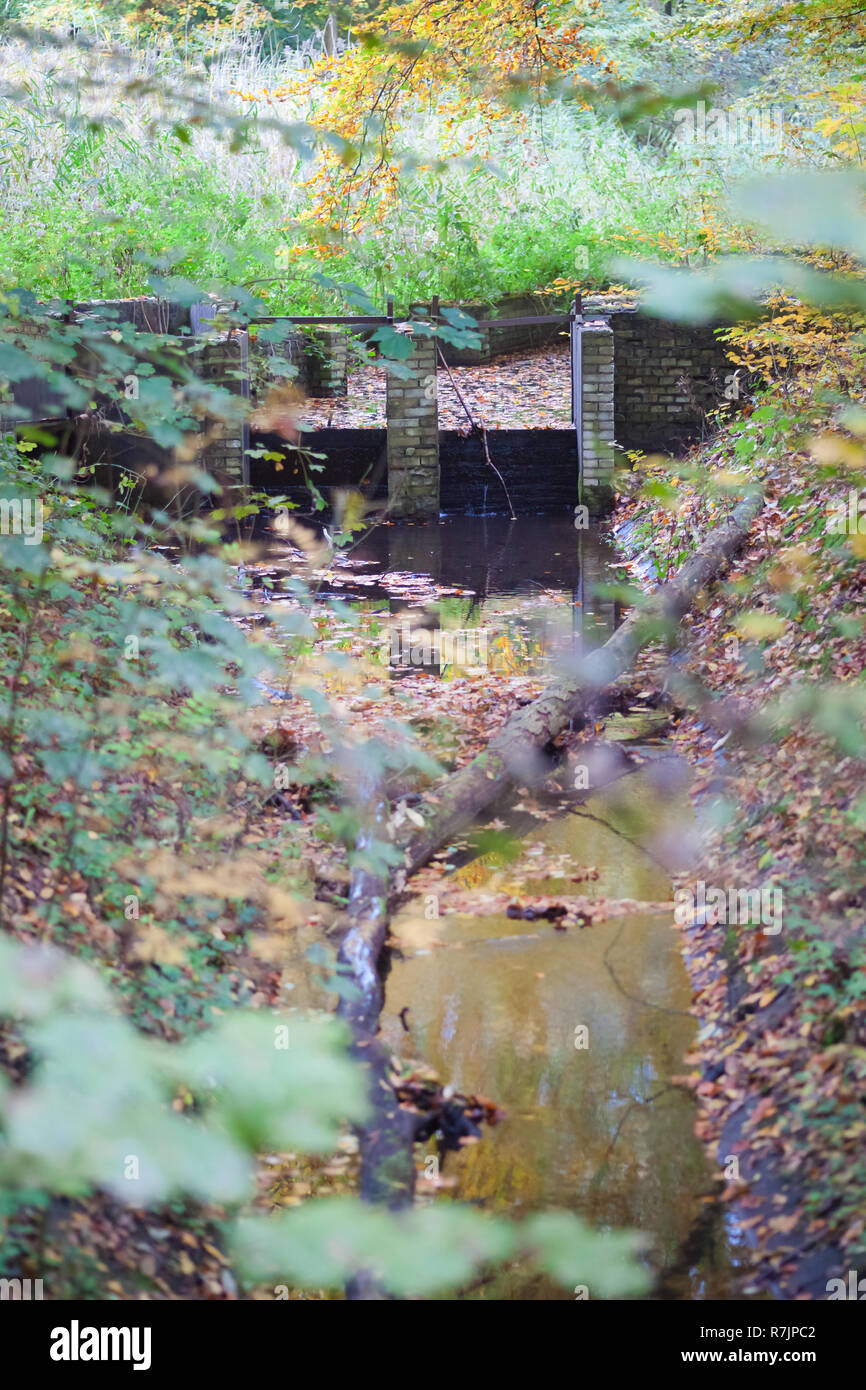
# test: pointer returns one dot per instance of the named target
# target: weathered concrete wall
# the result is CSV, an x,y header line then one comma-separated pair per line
x,y
539,469
412,415
353,458
667,375
149,314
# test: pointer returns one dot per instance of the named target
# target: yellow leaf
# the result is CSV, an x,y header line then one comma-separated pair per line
x,y
155,944
837,449
757,626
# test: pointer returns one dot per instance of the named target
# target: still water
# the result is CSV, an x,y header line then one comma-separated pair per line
x,y
533,585
497,1005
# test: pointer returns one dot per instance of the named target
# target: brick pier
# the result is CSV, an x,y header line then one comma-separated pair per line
x,y
412,415
597,439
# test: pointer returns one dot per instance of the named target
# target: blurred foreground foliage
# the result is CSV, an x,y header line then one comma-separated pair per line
x,y
123,725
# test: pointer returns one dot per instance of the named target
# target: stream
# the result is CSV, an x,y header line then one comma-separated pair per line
x,y
593,1125
577,1035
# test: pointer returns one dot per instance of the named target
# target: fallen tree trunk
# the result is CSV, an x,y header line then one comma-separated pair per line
x,y
514,755
385,1141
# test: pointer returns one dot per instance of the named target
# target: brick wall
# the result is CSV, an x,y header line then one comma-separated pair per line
x,y
411,410
326,364
224,363
648,384
667,375
319,356
597,352
31,398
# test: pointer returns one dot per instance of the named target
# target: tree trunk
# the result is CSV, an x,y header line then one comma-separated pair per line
x,y
514,754
329,36
385,1141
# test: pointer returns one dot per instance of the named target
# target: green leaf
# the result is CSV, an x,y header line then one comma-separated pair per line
x,y
36,981
572,1253
391,343
819,208
275,1081
324,1243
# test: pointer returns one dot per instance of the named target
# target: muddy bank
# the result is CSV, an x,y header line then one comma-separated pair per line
x,y
777,1063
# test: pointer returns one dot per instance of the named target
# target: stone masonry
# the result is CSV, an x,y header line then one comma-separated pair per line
x,y
597,441
668,375
412,414
647,384
224,362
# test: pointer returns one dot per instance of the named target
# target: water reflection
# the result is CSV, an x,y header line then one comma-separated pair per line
x,y
496,1005
594,1125
470,593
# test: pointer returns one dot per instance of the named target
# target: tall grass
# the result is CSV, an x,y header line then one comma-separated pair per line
x,y
97,190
